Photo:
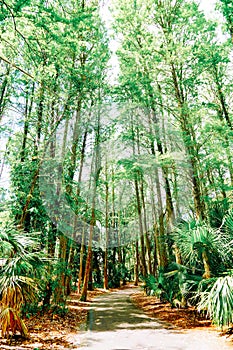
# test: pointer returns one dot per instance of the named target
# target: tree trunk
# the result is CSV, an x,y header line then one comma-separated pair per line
x,y
106,228
205,259
189,142
160,238
136,265
3,92
83,296
148,243
221,96
81,262
28,110
143,257
40,110
97,169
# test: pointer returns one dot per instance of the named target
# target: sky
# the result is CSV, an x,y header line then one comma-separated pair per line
x,y
207,6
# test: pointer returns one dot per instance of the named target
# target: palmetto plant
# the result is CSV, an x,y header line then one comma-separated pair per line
x,y
227,224
200,244
217,300
14,294
186,283
17,282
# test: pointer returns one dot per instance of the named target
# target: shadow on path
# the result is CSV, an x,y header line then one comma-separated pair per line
x,y
115,311
114,323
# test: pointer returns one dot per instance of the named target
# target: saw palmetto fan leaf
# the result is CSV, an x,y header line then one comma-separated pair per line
x,y
218,301
18,285
200,245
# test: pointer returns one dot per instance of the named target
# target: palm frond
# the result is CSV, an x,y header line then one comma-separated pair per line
x,y
11,322
18,285
218,301
193,239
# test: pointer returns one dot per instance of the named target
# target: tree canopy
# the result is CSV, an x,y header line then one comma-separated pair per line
x,y
109,181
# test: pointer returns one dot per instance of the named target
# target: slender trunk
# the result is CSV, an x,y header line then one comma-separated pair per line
x,y
162,244
138,200
221,177
106,228
177,254
175,190
93,218
90,280
221,96
137,264
205,259
28,199
124,266
119,236
60,289
190,142
28,110
96,268
77,206
169,204
196,187
160,238
75,139
148,243
139,210
52,236
155,236
36,173
81,262
3,92
40,111
160,235
70,266
83,296
158,244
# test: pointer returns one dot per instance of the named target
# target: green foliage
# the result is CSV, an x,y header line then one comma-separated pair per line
x,y
227,224
19,272
150,285
174,132
175,286
117,273
114,277
217,212
227,10
217,300
164,287
194,238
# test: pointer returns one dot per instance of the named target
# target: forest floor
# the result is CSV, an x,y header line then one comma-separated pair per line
x,y
180,318
58,332
51,330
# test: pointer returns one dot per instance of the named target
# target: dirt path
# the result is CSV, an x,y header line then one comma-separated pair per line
x,y
114,323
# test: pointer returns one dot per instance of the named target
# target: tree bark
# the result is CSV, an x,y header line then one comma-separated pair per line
x,y
3,91
205,259
106,227
81,262
97,169
136,279
139,210
148,243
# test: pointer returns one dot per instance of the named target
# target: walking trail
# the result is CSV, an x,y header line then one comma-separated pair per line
x,y
114,323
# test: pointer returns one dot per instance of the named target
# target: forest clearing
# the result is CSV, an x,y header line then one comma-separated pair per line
x,y
116,148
